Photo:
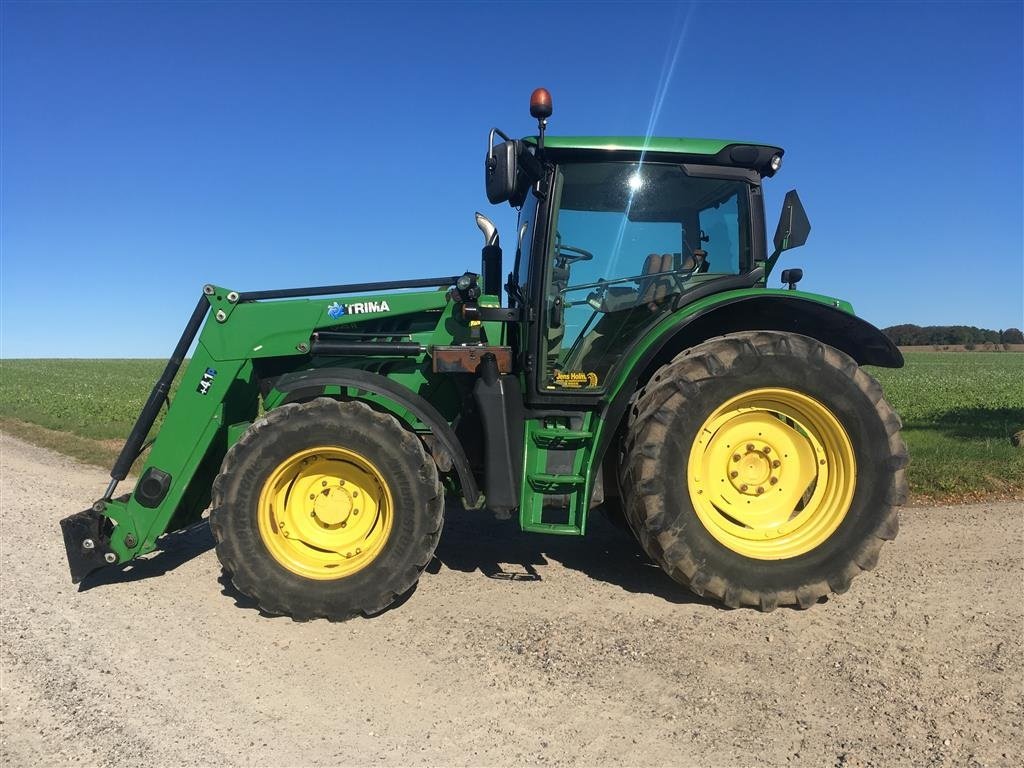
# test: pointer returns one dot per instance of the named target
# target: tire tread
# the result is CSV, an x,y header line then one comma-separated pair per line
x,y
670,389
260,590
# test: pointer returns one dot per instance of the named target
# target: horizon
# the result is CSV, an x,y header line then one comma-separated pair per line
x,y
1012,347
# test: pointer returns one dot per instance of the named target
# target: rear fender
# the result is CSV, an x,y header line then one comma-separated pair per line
x,y
775,311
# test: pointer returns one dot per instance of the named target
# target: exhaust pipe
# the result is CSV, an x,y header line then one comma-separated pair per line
x,y
490,256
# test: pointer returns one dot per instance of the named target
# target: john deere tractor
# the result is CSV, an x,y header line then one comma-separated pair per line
x,y
634,358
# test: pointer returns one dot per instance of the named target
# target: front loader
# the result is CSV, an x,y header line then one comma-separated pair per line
x,y
640,362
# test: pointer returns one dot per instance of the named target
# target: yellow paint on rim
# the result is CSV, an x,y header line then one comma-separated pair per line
x,y
325,513
771,473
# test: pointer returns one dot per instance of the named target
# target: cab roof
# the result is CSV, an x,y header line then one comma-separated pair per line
x,y
741,154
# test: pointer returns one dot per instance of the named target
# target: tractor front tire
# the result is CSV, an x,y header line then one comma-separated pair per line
x,y
326,509
763,469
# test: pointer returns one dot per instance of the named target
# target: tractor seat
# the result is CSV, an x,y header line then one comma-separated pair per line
x,y
651,290
626,310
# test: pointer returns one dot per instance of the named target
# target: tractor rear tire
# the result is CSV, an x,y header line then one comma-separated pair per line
x,y
326,509
763,469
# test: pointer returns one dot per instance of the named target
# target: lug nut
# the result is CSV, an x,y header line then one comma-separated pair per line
x,y
750,446
736,457
776,464
760,490
767,449
312,496
774,480
355,511
744,487
356,493
324,482
344,525
734,474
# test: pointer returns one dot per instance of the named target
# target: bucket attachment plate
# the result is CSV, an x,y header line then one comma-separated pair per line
x,y
87,546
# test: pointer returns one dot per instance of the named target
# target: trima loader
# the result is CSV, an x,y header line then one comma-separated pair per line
x,y
639,361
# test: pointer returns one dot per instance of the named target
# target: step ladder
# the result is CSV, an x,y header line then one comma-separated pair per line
x,y
553,492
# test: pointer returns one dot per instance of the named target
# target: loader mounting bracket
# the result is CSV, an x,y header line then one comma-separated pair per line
x,y
87,541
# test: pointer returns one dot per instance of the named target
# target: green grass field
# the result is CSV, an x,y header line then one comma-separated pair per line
x,y
84,408
958,410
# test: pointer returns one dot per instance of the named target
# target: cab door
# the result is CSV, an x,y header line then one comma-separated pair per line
x,y
626,240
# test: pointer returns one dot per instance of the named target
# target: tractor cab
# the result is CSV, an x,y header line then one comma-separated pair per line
x,y
617,233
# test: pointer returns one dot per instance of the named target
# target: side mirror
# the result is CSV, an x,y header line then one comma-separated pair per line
x,y
794,226
792,276
509,170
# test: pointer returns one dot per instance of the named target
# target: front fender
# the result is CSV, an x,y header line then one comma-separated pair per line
x,y
392,393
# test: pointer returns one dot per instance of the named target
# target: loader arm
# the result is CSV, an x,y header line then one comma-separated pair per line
x,y
218,398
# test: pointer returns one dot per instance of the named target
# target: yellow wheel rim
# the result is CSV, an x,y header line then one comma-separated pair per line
x,y
771,474
325,513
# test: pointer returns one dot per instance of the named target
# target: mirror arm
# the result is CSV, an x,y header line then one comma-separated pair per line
x,y
490,141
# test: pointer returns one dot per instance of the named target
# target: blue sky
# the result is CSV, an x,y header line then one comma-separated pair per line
x,y
148,148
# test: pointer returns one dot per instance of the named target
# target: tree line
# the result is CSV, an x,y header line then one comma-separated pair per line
x,y
916,335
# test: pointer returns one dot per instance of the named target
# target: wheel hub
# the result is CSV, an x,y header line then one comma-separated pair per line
x,y
753,469
333,505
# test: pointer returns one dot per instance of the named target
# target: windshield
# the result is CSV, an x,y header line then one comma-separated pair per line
x,y
629,239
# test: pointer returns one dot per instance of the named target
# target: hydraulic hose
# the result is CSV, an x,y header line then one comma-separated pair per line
x,y
133,445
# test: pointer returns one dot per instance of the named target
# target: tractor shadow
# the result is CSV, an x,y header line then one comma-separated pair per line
x,y
228,589
175,549
473,540
976,422
172,550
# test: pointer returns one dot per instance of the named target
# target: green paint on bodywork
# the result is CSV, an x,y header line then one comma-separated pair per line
x,y
280,328
671,323
193,437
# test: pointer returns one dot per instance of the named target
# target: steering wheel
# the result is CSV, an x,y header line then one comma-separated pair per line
x,y
574,254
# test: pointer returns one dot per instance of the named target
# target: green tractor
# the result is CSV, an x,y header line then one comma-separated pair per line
x,y
640,363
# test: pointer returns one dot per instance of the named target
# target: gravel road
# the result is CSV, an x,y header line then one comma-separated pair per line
x,y
515,649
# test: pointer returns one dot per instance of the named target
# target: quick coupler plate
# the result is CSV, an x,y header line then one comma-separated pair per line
x,y
88,547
